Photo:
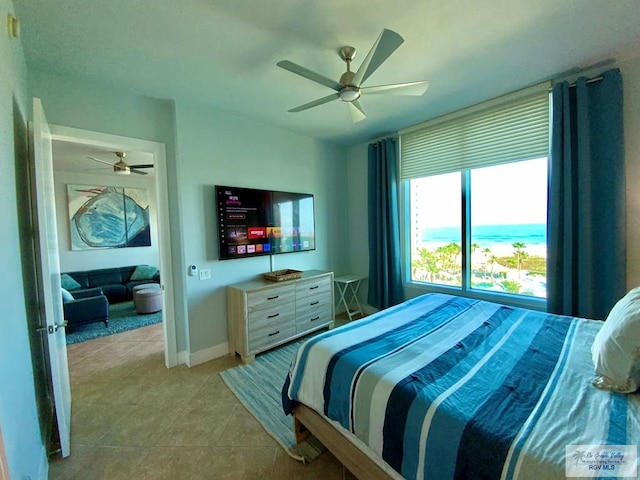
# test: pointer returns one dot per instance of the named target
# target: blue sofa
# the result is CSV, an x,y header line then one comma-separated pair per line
x,y
116,283
86,306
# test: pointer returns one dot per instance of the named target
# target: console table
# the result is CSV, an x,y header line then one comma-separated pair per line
x,y
264,314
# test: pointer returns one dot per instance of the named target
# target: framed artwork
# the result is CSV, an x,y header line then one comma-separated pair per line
x,y
108,217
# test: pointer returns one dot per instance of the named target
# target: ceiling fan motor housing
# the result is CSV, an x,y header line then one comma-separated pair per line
x,y
349,92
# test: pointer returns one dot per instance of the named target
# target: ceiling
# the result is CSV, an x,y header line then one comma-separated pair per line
x,y
223,53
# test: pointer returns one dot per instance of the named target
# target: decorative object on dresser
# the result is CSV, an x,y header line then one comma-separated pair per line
x,y
282,275
264,314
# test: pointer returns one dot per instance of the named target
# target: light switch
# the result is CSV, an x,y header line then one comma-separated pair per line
x,y
205,273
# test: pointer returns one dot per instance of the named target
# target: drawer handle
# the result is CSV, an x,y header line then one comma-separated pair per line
x,y
274,333
313,288
273,298
315,303
273,316
314,319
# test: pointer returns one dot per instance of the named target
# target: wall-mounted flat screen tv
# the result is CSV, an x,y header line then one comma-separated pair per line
x,y
254,222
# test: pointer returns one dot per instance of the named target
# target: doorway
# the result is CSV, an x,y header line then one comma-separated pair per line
x,y
87,141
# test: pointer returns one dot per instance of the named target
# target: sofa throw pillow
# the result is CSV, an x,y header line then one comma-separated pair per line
x,y
144,272
68,283
66,296
616,347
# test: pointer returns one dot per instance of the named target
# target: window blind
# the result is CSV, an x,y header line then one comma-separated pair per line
x,y
504,130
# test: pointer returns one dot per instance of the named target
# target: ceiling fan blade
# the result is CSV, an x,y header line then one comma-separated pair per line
x,y
385,45
139,172
356,111
144,165
410,88
101,161
315,103
306,73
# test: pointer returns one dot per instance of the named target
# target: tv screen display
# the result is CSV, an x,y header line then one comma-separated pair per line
x,y
255,222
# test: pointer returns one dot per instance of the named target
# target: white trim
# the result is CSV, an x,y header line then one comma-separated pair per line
x,y
207,354
183,357
117,142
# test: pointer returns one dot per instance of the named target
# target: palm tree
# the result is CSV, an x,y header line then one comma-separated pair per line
x,y
487,254
510,286
492,261
519,255
427,261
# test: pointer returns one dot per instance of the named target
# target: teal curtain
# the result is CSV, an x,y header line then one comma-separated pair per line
x,y
586,265
385,268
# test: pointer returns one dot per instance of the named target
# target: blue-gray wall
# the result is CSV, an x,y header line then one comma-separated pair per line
x,y
215,148
19,422
206,147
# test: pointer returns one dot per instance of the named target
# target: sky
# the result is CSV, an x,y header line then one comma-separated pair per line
x,y
510,194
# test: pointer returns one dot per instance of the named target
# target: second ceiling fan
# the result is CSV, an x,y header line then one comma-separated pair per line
x,y
123,168
349,89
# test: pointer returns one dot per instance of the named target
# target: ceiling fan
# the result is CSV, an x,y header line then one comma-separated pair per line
x,y
123,168
349,88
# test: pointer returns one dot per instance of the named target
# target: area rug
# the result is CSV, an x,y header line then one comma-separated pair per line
x,y
258,386
122,317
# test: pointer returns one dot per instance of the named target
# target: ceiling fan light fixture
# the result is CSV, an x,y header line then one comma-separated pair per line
x,y
349,94
121,168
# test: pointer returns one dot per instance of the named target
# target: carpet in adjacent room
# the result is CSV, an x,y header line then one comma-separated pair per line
x,y
258,386
122,317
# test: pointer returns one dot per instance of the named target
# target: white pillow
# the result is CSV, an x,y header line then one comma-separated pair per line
x,y
66,296
616,347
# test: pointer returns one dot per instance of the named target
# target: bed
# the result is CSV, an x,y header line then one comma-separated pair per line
x,y
446,387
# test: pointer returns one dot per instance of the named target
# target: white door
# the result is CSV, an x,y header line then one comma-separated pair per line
x,y
49,288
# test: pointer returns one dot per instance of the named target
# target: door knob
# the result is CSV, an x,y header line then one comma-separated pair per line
x,y
52,328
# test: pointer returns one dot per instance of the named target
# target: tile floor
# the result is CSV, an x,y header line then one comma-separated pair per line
x,y
134,419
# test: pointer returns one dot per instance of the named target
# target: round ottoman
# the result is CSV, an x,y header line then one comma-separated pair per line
x,y
144,286
148,300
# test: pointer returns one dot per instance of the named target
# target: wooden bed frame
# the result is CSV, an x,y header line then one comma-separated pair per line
x,y
308,422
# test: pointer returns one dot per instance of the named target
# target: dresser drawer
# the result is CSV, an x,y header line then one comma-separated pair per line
x,y
274,315
261,299
263,337
315,287
307,306
313,317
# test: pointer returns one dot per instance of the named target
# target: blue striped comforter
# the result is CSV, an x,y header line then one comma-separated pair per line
x,y
447,387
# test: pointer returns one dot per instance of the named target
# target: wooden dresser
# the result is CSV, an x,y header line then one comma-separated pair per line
x,y
265,314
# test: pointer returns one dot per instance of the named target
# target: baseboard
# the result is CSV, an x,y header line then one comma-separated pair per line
x,y
207,354
182,357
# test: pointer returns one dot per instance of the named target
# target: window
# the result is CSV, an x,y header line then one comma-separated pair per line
x,y
506,224
475,187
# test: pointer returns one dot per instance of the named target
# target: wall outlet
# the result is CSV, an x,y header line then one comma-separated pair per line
x,y
205,273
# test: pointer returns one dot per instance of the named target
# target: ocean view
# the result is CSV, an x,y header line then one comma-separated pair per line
x,y
498,238
503,268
